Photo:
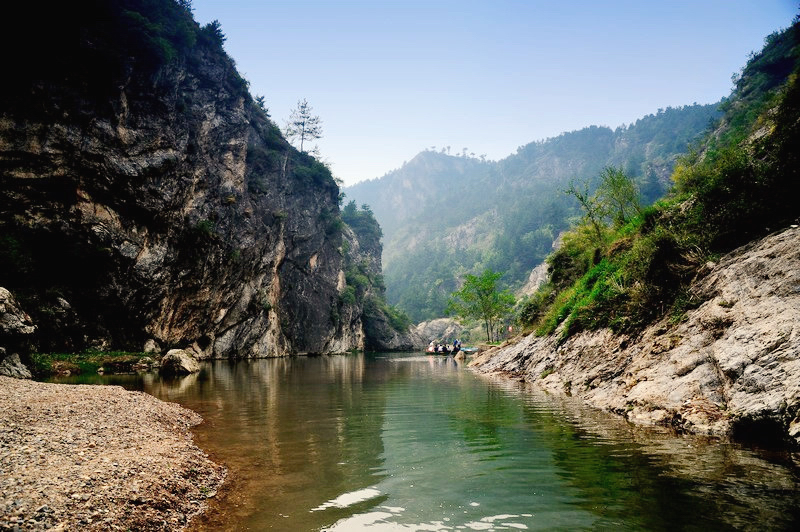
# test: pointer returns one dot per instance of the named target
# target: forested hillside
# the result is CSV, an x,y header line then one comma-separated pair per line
x,y
444,216
739,184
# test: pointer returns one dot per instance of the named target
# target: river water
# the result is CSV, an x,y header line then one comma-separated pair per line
x,y
414,442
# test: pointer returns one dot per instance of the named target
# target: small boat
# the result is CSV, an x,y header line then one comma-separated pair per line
x,y
441,350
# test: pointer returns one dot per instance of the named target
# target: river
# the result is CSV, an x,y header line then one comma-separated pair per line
x,y
413,442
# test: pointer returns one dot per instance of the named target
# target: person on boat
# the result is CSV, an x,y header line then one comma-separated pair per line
x,y
456,346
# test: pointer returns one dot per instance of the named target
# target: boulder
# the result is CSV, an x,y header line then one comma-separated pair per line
x,y
144,364
12,366
178,362
16,332
151,346
14,321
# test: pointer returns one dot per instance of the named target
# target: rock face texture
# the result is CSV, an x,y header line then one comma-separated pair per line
x,y
376,330
439,329
16,331
731,367
155,201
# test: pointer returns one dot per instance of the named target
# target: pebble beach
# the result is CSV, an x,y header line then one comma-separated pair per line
x,y
83,457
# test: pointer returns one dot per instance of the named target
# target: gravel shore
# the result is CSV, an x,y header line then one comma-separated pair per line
x,y
98,458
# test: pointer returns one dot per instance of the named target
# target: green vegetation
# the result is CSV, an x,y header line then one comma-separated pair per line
x,y
623,266
47,364
398,320
363,224
480,299
362,272
444,217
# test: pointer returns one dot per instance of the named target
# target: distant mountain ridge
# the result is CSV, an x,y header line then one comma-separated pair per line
x,y
443,216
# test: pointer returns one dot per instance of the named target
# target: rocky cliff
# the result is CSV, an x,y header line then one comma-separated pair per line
x,y
144,194
731,367
383,328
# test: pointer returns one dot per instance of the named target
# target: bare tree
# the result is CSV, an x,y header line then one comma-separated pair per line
x,y
302,124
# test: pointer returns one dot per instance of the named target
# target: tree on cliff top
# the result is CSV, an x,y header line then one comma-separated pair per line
x,y
302,124
364,224
479,299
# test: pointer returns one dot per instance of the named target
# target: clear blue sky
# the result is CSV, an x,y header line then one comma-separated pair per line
x,y
391,78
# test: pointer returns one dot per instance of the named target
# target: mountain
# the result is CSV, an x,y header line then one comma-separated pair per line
x,y
145,196
444,216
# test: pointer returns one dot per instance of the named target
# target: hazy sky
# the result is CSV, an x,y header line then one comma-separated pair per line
x,y
391,78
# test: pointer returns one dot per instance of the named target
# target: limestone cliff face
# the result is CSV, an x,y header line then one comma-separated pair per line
x,y
378,334
732,367
161,202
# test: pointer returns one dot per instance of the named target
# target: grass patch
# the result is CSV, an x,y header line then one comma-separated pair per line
x,y
48,364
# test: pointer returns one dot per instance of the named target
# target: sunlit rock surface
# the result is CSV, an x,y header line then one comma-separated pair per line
x,y
731,367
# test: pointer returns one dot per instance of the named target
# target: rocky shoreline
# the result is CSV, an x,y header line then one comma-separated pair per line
x,y
731,367
79,457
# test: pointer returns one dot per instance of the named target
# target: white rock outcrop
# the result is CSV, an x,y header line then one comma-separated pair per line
x,y
731,367
178,362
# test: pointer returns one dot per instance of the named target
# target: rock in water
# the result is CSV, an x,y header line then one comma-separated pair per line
x,y
178,362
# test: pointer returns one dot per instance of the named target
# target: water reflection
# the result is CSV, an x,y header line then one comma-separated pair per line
x,y
418,443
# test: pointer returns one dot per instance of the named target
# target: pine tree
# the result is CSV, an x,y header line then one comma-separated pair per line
x,y
302,124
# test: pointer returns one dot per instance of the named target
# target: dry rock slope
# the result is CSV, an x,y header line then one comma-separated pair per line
x,y
731,367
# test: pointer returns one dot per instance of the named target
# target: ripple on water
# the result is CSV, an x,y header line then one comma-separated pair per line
x,y
348,499
380,520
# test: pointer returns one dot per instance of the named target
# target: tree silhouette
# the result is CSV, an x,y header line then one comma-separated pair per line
x,y
302,124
